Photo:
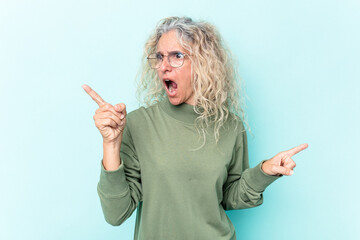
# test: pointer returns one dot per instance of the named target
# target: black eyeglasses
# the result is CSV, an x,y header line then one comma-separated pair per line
x,y
175,59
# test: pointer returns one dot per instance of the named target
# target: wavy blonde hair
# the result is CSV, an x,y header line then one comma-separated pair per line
x,y
215,80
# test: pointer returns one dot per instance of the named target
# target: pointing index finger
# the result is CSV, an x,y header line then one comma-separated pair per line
x,y
297,149
96,97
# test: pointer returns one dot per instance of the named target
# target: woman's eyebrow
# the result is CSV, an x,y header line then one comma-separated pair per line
x,y
175,51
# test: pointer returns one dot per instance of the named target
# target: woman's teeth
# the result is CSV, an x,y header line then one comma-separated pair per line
x,y
171,85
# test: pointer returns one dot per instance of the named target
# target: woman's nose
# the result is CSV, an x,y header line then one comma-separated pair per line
x,y
165,66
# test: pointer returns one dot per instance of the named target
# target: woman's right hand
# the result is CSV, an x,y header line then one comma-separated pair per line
x,y
110,120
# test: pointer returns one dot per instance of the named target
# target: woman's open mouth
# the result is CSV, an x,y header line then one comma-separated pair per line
x,y
171,87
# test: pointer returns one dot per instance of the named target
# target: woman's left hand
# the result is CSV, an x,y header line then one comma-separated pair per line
x,y
281,163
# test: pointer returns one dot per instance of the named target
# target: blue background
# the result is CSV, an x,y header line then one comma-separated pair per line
x,y
299,60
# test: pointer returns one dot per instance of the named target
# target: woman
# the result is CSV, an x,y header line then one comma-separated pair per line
x,y
183,160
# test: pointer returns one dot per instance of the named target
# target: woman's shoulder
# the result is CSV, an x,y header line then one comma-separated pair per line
x,y
234,122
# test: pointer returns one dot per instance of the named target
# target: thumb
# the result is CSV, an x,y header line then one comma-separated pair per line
x,y
120,107
283,170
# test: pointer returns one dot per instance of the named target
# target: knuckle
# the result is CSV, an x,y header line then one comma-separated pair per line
x,y
107,106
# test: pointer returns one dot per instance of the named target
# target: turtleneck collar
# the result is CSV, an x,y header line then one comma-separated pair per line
x,y
183,112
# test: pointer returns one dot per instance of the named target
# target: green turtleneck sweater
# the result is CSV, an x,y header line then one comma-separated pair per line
x,y
180,193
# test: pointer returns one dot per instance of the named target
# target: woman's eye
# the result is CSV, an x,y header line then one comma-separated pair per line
x,y
179,55
158,56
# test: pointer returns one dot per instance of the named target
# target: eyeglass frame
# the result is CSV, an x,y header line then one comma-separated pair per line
x,y
173,52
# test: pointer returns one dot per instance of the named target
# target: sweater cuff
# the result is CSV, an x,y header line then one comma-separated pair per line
x,y
258,179
113,182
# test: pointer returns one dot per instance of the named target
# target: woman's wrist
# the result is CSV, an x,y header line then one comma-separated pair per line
x,y
111,158
112,145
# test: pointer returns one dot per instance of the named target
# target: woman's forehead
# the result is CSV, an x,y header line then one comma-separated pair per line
x,y
169,42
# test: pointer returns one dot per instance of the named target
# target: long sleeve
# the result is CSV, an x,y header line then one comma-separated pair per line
x,y
120,191
244,186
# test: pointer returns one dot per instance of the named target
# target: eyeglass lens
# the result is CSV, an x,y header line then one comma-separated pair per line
x,y
176,59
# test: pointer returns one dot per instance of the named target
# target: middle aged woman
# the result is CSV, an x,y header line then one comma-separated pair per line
x,y
182,160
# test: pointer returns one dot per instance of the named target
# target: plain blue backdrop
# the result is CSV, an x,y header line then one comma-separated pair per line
x,y
298,59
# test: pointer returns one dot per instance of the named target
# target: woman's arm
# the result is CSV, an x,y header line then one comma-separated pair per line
x,y
244,186
120,190
119,187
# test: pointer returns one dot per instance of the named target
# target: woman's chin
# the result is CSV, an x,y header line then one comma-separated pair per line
x,y
174,101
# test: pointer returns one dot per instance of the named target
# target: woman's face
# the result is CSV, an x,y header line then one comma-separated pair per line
x,y
179,89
